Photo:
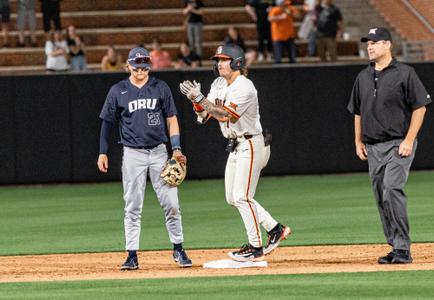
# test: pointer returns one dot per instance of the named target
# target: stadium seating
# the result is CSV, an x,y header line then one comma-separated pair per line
x,y
128,23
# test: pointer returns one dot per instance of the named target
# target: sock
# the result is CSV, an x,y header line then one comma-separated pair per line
x,y
132,253
177,246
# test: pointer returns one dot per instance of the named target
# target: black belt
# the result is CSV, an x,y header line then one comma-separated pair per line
x,y
248,136
144,147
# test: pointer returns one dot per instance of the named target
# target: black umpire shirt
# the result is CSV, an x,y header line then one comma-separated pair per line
x,y
385,101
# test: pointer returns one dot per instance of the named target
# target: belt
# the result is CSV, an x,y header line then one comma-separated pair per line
x,y
144,147
244,137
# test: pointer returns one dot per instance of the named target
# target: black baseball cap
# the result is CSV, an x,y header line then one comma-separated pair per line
x,y
377,34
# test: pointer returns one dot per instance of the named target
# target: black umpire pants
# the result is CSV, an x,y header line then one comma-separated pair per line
x,y
389,173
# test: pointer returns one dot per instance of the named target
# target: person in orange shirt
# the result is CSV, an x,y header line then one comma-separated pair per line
x,y
160,58
281,18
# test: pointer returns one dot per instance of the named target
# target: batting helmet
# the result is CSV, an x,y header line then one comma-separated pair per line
x,y
233,52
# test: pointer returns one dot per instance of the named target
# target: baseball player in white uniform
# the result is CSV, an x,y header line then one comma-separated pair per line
x,y
233,101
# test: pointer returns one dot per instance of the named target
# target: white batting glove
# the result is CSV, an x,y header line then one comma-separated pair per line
x,y
191,90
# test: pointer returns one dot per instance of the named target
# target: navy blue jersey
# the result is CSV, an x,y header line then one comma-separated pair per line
x,y
141,112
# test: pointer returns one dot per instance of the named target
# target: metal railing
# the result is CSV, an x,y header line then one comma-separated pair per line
x,y
418,15
418,50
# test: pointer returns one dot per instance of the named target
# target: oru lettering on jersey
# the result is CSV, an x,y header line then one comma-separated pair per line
x,y
142,104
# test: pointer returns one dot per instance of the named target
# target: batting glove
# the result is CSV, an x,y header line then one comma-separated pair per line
x,y
191,90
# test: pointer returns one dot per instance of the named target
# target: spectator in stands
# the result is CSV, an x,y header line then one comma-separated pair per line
x,y
26,14
160,58
258,11
56,50
307,29
234,38
194,12
250,56
76,50
281,18
50,12
5,14
186,58
329,29
112,61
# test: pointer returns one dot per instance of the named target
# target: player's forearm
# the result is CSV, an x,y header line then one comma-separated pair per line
x,y
172,126
215,110
416,123
106,128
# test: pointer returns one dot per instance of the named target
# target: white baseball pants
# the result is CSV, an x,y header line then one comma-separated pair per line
x,y
242,173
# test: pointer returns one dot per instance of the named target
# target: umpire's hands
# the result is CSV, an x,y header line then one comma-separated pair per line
x,y
191,90
361,151
406,148
102,163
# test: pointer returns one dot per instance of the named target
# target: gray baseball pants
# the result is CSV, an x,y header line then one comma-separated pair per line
x,y
136,163
389,173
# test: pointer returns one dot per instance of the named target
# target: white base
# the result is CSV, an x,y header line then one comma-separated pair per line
x,y
232,264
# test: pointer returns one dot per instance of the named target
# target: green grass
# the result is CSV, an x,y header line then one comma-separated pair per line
x,y
384,285
333,209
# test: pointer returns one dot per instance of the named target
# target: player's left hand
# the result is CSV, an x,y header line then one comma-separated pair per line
x,y
191,90
405,148
181,158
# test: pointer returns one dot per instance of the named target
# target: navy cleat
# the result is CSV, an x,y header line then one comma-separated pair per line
x,y
275,236
131,263
383,260
247,253
181,258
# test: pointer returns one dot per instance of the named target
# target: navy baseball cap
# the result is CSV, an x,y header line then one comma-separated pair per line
x,y
377,34
139,58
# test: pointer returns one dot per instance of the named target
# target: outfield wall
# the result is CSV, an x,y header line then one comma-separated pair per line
x,y
49,126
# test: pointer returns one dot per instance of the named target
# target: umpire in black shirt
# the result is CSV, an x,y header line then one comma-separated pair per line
x,y
388,102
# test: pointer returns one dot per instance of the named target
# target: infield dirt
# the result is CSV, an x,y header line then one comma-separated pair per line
x,y
159,264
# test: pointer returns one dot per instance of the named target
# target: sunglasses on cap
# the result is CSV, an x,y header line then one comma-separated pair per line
x,y
140,60
137,69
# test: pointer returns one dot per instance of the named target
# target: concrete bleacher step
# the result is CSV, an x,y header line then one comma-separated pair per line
x,y
143,17
32,56
139,35
206,65
95,5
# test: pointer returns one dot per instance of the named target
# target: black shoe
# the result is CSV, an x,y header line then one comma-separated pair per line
x,y
181,258
247,253
130,264
275,236
402,257
386,259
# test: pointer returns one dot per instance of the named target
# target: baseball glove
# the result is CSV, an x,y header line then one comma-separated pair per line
x,y
174,172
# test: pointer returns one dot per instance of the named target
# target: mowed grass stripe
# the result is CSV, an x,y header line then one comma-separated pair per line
x,y
329,209
375,285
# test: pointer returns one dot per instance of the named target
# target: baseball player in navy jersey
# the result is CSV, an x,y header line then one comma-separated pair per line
x,y
233,101
143,106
